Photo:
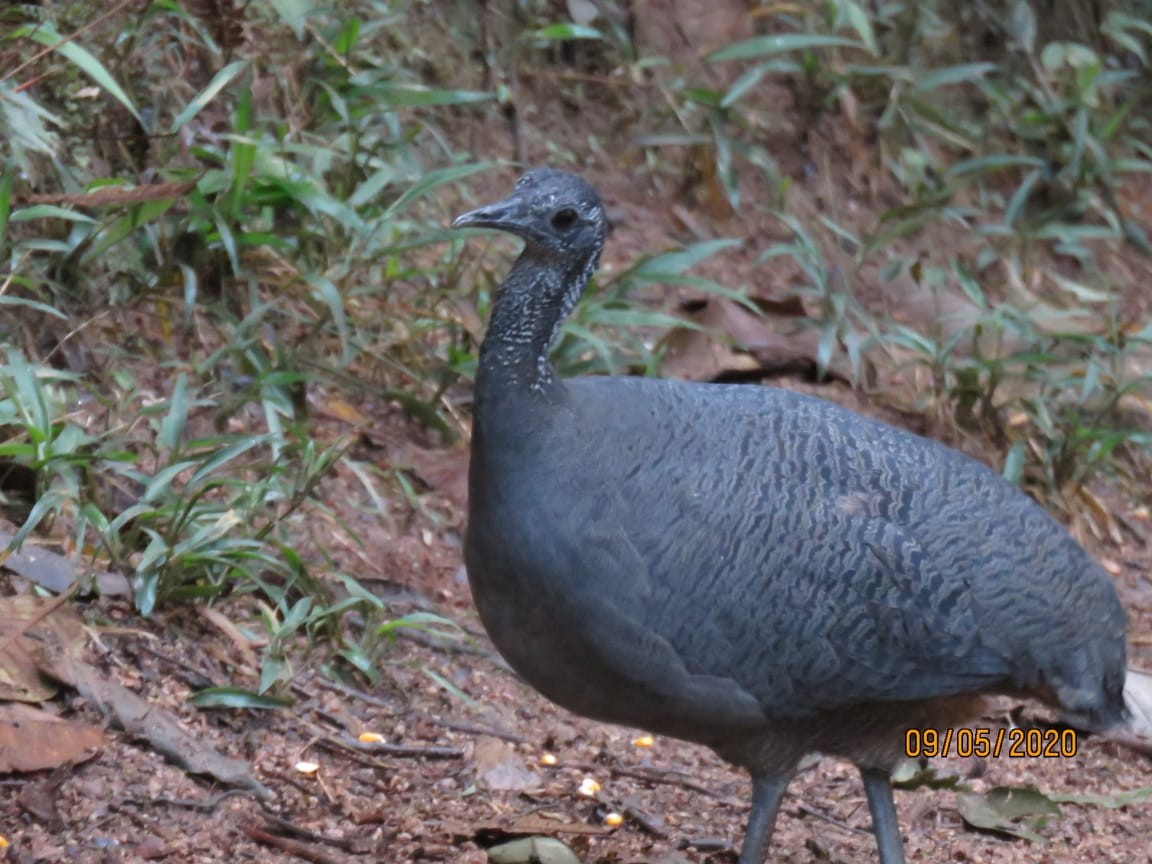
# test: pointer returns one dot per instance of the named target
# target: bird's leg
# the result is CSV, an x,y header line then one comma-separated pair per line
x,y
878,788
767,790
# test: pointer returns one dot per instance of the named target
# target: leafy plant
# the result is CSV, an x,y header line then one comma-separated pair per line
x,y
268,246
1024,156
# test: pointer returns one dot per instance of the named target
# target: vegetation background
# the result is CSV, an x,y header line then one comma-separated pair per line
x,y
237,340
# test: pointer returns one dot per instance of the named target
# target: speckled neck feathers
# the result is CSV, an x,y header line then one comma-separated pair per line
x,y
539,293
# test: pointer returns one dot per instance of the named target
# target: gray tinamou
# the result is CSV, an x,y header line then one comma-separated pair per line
x,y
748,568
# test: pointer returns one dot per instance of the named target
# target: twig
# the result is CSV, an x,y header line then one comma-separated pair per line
x,y
366,698
652,824
206,805
652,777
363,752
295,830
407,751
806,810
196,679
295,783
472,729
377,702
707,845
307,851
447,645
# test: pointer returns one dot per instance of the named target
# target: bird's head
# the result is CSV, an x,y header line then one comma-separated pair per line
x,y
551,210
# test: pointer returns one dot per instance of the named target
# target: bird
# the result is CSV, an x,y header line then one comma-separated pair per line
x,y
746,567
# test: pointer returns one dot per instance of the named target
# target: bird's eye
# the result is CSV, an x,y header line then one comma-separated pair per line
x,y
565,218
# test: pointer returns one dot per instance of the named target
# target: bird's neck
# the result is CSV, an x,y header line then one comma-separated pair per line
x,y
529,310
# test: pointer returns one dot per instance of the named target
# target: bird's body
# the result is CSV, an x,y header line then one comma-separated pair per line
x,y
899,570
749,568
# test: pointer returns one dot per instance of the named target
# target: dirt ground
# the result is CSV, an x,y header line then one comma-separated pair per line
x,y
461,766
462,761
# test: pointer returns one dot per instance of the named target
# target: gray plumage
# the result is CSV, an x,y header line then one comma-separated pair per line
x,y
755,570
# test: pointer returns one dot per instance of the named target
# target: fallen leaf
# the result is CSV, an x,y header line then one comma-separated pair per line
x,y
34,740
239,641
1100,519
330,405
730,339
40,799
444,470
532,850
1113,801
27,623
511,775
1018,811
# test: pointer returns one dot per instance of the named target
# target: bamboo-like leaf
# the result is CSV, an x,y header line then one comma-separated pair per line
x,y
563,32
46,34
964,73
172,426
785,43
293,13
679,260
219,81
434,180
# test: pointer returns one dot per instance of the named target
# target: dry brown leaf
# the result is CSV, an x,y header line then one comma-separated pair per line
x,y
53,623
443,470
690,223
1100,518
41,798
734,340
112,195
241,642
34,740
501,767
702,355
330,405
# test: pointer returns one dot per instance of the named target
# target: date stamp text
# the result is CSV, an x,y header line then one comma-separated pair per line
x,y
985,743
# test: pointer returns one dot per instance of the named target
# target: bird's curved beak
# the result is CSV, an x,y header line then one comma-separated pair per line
x,y
507,215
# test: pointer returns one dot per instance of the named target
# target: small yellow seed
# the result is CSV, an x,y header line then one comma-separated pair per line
x,y
613,820
547,759
371,737
3,842
589,787
644,741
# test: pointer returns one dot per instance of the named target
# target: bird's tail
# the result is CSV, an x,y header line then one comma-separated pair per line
x,y
1135,728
